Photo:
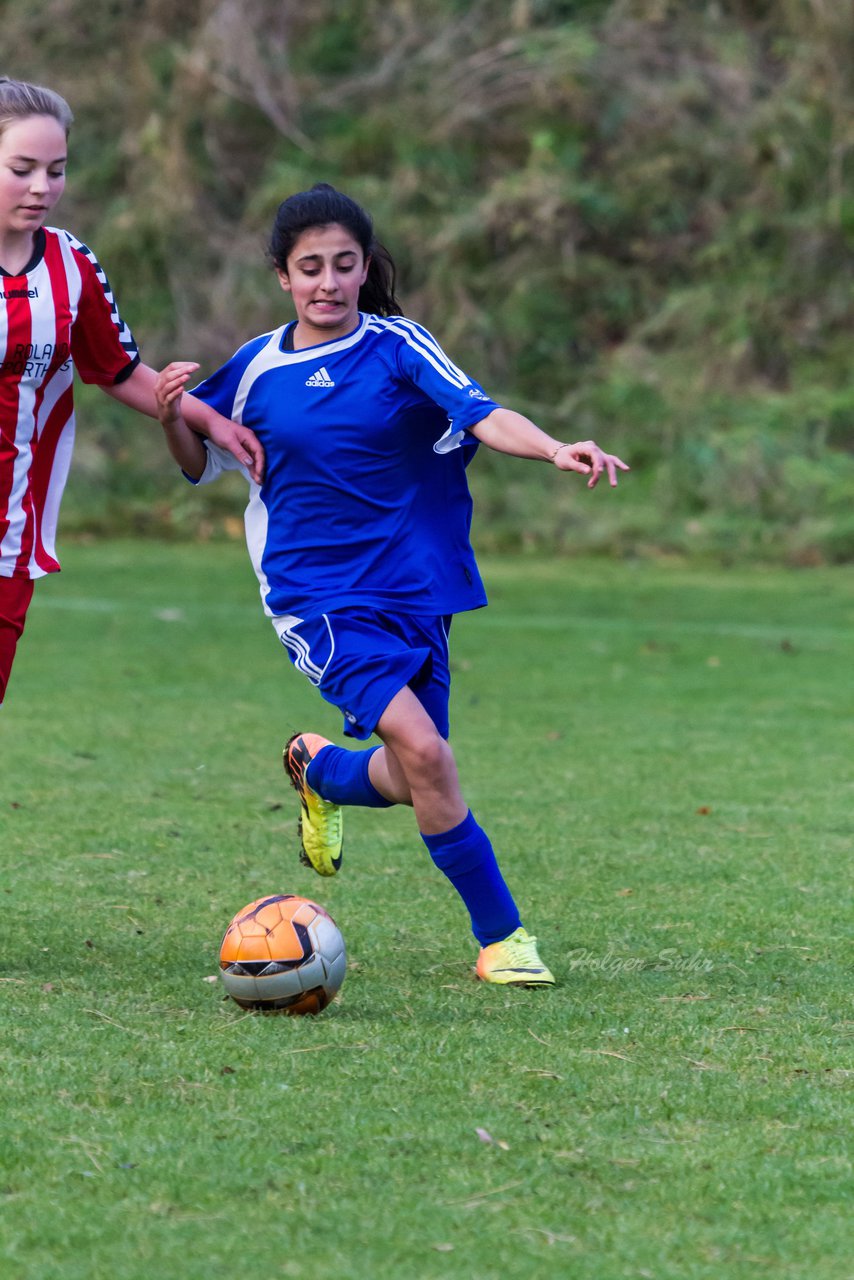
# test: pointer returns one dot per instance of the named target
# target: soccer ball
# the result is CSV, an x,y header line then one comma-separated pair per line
x,y
283,954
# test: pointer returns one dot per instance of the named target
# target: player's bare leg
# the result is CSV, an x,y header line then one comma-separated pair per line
x,y
417,765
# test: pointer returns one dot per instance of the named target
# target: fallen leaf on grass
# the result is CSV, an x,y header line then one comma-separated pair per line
x,y
486,1136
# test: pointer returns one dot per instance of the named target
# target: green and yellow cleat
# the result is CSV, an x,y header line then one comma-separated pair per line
x,y
321,823
514,963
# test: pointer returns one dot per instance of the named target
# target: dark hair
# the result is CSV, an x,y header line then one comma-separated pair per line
x,y
19,100
320,207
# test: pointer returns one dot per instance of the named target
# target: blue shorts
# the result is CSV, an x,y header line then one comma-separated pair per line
x,y
360,658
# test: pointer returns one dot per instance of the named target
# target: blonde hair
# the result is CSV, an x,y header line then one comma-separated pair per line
x,y
20,100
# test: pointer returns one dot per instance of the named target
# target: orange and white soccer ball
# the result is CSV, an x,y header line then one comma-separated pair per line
x,y
283,954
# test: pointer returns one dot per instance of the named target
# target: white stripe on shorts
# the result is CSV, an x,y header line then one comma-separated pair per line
x,y
285,628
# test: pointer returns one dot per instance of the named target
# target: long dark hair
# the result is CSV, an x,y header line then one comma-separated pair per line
x,y
320,207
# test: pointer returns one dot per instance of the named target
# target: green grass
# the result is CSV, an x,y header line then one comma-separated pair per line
x,y
663,758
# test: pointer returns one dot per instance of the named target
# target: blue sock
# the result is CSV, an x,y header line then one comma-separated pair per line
x,y
466,857
341,776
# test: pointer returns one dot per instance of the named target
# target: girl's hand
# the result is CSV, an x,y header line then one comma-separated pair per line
x,y
169,388
587,458
240,441
236,439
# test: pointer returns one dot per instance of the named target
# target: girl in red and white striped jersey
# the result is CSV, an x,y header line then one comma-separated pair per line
x,y
57,314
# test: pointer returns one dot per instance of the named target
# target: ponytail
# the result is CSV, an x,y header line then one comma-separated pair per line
x,y
376,295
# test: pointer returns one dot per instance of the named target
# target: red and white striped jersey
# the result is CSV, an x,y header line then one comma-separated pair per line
x,y
58,315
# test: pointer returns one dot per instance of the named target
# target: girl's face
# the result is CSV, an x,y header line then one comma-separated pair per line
x,y
33,154
325,271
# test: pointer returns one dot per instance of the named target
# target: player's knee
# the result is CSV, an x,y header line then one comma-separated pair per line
x,y
431,762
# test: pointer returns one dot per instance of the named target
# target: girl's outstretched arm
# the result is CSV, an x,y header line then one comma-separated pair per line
x,y
507,431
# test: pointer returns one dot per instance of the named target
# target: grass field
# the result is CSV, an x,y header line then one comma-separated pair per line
x,y
663,758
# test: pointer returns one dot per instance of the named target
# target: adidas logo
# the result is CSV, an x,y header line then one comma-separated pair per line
x,y
320,379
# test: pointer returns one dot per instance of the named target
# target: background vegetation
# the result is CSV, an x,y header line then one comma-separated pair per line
x,y
629,218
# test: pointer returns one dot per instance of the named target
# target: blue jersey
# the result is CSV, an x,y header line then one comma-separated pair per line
x,y
364,500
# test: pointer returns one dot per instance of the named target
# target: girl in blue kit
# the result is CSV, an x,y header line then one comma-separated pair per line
x,y
359,535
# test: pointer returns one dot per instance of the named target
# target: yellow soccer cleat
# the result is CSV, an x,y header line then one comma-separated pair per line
x,y
514,963
321,824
